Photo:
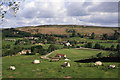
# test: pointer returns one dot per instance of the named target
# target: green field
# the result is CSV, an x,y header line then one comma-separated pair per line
x,y
77,54
88,40
46,69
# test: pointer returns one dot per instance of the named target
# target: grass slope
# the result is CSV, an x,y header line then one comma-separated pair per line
x,y
57,29
46,69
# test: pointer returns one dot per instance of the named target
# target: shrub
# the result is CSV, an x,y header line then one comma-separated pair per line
x,y
99,55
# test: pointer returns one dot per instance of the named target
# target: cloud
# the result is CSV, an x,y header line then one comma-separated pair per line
x,y
39,12
104,7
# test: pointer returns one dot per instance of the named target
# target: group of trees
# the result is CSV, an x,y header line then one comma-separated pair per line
x,y
115,36
39,49
14,33
34,49
92,36
98,46
12,51
7,46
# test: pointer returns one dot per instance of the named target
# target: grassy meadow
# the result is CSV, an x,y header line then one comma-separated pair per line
x,y
47,69
57,29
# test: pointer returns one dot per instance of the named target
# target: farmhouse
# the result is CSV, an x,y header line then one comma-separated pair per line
x,y
61,55
10,39
28,37
36,38
16,32
55,59
22,42
24,51
32,41
39,43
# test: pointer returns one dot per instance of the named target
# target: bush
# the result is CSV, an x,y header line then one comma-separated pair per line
x,y
99,55
88,45
97,46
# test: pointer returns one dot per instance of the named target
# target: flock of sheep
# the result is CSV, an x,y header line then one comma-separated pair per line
x,y
66,64
99,63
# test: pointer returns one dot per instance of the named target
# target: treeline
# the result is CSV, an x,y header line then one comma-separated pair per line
x,y
98,46
11,32
112,48
12,51
34,50
115,36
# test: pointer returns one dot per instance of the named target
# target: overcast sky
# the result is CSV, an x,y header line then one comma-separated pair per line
x,y
41,12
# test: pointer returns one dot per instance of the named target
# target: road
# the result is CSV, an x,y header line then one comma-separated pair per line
x,y
46,56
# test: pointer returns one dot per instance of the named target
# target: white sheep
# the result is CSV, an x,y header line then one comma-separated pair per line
x,y
98,63
36,61
12,68
67,59
112,66
66,64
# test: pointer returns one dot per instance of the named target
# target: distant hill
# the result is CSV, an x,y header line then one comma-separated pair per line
x,y
61,29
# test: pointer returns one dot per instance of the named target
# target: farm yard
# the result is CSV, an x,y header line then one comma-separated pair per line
x,y
24,66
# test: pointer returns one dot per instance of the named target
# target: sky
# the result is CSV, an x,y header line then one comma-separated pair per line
x,y
63,12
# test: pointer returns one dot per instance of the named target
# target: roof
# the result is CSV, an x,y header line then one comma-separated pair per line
x,y
60,54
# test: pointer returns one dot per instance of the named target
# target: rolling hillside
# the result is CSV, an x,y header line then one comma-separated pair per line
x,y
61,29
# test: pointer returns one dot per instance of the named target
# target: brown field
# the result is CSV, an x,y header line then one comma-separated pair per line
x,y
62,30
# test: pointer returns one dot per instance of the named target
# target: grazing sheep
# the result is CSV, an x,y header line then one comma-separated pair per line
x,y
99,63
66,64
67,59
12,68
36,61
112,66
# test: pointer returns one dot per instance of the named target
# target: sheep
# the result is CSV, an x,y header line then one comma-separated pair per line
x,y
99,63
12,68
67,59
112,66
36,61
66,64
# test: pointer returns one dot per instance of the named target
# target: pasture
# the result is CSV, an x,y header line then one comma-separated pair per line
x,y
47,69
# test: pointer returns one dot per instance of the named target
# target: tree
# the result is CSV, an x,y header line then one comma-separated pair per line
x,y
73,33
105,37
112,48
11,5
88,45
27,53
79,35
99,55
118,47
111,55
92,36
116,35
51,48
97,46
